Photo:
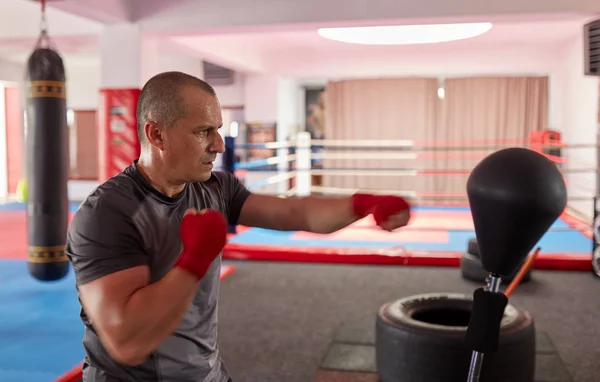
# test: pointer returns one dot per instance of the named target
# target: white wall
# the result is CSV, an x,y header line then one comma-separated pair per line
x,y
260,98
83,82
578,105
232,95
11,71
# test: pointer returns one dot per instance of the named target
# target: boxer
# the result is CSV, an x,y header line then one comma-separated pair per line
x,y
146,244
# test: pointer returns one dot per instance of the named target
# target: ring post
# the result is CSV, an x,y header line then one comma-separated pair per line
x,y
229,155
303,164
291,166
229,166
596,215
595,236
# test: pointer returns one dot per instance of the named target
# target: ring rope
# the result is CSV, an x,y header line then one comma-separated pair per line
x,y
290,192
413,172
266,162
267,145
376,156
350,191
409,144
271,180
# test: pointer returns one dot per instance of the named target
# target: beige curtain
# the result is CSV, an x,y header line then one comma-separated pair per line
x,y
378,109
473,112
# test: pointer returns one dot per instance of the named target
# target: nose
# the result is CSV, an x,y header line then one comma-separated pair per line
x,y
218,144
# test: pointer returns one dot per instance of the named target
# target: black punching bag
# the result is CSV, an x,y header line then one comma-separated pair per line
x,y
515,195
47,165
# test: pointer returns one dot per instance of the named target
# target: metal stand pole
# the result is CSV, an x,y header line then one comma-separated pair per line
x,y
493,286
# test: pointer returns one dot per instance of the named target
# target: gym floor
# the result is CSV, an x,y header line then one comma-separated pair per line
x,y
278,319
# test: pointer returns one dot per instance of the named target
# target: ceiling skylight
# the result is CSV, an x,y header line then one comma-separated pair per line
x,y
405,34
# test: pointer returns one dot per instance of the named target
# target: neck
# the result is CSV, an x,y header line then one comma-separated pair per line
x,y
154,171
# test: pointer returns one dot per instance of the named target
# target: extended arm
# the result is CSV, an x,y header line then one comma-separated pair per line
x,y
322,214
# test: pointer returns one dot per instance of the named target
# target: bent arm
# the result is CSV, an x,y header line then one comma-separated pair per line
x,y
133,318
311,214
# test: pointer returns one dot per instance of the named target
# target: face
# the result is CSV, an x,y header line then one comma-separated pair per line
x,y
189,148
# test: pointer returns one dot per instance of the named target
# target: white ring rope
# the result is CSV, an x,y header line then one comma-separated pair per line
x,y
374,172
275,145
458,146
364,155
272,180
351,191
280,159
363,143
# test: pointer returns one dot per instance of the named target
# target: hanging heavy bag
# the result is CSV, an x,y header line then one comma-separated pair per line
x,y
47,163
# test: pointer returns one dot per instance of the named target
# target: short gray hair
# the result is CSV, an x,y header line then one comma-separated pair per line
x,y
161,101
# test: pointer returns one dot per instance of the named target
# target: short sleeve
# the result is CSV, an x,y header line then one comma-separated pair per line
x,y
101,240
235,194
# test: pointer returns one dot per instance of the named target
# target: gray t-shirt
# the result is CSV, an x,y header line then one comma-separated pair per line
x,y
126,223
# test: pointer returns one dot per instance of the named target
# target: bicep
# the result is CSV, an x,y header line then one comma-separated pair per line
x,y
105,298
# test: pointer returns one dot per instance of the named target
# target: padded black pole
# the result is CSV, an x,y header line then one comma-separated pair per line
x,y
515,195
47,165
483,331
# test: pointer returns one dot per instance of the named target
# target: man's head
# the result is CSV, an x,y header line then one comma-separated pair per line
x,y
178,120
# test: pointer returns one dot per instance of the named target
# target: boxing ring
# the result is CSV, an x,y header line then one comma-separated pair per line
x,y
40,323
441,223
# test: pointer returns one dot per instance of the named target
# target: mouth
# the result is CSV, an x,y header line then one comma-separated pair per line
x,y
208,164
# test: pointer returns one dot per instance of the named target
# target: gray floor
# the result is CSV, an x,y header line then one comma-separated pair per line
x,y
278,319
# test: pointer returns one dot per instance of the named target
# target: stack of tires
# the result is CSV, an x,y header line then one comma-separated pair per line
x,y
472,269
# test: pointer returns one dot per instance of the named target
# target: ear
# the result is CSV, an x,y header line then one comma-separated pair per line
x,y
154,134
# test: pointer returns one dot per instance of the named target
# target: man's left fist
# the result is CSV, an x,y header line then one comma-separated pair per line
x,y
389,211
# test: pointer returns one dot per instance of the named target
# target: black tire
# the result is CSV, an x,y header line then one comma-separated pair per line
x,y
473,247
596,262
422,339
471,269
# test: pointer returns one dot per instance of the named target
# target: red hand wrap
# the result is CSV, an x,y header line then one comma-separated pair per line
x,y
203,237
381,206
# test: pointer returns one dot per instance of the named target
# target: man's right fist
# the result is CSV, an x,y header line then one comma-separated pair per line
x,y
203,234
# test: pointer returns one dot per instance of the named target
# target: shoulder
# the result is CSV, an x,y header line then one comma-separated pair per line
x,y
219,182
220,177
117,198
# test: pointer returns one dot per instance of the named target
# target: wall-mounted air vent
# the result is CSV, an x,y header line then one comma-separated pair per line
x,y
591,38
217,75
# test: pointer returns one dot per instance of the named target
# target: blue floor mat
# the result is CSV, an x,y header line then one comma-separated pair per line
x,y
39,325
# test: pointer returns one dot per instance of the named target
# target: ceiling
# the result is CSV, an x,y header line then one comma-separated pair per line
x,y
279,36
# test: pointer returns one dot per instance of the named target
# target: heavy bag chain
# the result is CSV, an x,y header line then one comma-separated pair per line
x,y
44,40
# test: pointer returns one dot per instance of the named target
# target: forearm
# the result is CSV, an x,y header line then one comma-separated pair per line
x,y
322,214
152,313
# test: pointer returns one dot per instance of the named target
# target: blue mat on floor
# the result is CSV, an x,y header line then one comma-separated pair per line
x,y
40,329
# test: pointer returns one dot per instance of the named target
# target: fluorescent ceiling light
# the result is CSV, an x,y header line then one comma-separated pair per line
x,y
405,34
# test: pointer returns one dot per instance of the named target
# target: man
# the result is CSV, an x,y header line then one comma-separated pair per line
x,y
145,245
